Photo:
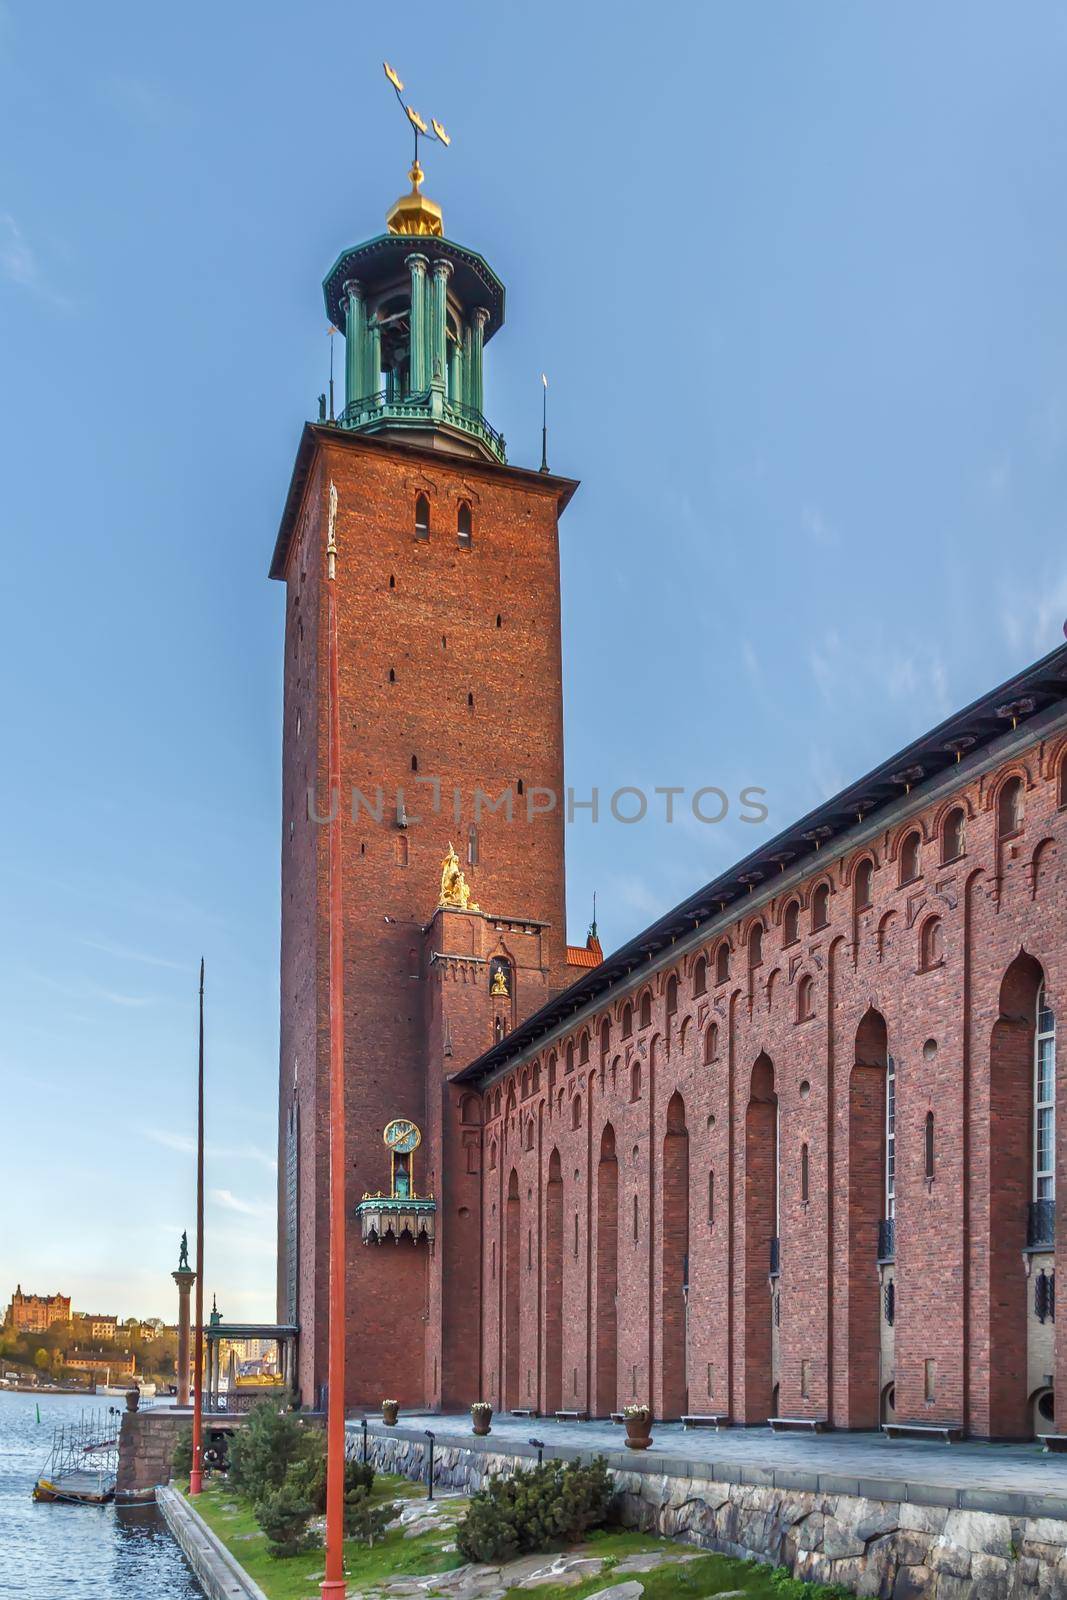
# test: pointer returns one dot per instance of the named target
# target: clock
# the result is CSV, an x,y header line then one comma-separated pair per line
x,y
401,1136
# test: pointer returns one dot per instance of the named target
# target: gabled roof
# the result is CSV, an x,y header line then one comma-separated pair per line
x,y
960,738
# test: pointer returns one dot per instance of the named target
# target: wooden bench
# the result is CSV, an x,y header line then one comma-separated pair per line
x,y
798,1424
946,1432
716,1419
524,1411
1056,1443
572,1416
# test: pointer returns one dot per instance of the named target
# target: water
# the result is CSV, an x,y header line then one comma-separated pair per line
x,y
55,1552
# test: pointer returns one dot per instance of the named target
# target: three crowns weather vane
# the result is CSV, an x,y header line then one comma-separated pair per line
x,y
414,213
434,131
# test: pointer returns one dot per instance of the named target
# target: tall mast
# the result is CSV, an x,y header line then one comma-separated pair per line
x,y
195,1471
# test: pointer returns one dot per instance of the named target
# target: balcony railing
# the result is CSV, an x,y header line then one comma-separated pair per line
x,y
887,1239
383,408
1041,1224
776,1264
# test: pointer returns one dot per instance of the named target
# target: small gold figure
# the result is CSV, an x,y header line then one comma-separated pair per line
x,y
500,983
455,891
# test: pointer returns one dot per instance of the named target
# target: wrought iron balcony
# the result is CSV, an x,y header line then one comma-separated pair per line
x,y
1041,1224
776,1264
887,1239
378,410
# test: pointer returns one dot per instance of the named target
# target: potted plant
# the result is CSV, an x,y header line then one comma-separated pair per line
x,y
481,1417
638,1420
390,1408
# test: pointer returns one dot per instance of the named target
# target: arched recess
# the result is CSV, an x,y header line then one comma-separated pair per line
x,y
607,1275
675,1279
761,1231
1009,1136
554,1286
512,1294
867,1207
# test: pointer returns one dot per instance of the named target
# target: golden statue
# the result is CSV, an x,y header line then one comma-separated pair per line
x,y
500,983
455,891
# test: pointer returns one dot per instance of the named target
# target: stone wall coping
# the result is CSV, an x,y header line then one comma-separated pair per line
x,y
220,1576
654,1463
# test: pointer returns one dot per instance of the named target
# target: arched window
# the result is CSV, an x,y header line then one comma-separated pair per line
x,y
583,1050
806,998
627,1020
863,885
1010,808
932,948
755,945
644,1019
1061,786
1044,1100
711,1043
576,1111
791,923
570,1058
700,976
952,835
635,1081
804,1194
928,1145
422,516
463,525
605,1039
492,1155
672,995
722,963
820,906
910,857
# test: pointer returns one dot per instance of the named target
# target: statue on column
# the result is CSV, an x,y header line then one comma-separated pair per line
x,y
183,1254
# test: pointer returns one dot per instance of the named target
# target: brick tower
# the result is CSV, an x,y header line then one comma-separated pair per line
x,y
447,587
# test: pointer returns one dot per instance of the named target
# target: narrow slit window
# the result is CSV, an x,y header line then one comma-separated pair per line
x,y
464,526
422,516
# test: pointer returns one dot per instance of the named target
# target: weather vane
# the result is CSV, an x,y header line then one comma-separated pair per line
x,y
434,131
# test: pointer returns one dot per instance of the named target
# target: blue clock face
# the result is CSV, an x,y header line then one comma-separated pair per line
x,y
402,1136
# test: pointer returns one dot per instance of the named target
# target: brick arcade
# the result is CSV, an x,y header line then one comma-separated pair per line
x,y
791,1151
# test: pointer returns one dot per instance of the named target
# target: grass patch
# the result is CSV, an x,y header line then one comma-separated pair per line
x,y
297,1577
684,1580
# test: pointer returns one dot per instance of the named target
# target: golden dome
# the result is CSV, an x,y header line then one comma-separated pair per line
x,y
413,213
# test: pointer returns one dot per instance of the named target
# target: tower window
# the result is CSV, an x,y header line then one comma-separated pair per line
x,y
627,1020
392,580
806,998
928,1147
422,516
1010,808
805,1194
722,963
672,994
952,835
864,885
700,976
791,923
910,858
644,1019
499,620
392,674
463,525
711,1043
755,946
932,948
414,763
635,1081
470,701
820,906
711,1197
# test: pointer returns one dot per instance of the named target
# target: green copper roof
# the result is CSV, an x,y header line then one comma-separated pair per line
x,y
381,260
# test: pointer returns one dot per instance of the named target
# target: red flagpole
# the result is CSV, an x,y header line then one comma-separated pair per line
x,y
195,1471
333,1583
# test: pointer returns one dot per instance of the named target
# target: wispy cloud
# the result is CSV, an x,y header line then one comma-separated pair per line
x,y
187,1146
19,264
123,952
231,1202
86,990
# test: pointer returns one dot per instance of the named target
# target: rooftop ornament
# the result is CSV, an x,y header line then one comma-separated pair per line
x,y
414,214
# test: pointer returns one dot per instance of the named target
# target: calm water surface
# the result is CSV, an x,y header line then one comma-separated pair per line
x,y
75,1552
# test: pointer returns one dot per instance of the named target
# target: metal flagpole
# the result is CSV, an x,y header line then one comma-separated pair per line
x,y
195,1471
333,1583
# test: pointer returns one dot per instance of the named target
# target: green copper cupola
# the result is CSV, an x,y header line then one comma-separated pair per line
x,y
417,311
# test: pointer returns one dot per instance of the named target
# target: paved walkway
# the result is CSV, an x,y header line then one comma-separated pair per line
x,y
1013,1479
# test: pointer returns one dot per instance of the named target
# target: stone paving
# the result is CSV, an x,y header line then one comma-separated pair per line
x,y
972,1475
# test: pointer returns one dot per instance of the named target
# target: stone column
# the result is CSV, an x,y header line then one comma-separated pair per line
x,y
418,375
355,329
373,379
455,375
185,1280
475,386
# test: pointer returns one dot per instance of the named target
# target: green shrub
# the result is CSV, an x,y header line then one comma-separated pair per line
x,y
550,1505
308,1475
263,1450
284,1514
364,1520
181,1462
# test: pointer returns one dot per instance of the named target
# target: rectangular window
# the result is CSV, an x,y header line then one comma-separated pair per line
x,y
890,1139
930,1388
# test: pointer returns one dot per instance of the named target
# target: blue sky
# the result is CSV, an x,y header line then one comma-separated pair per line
x,y
797,276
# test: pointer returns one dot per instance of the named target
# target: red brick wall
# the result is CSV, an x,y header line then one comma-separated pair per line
x,y
961,1296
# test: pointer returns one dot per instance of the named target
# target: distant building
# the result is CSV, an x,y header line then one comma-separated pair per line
x,y
92,1325
36,1313
118,1362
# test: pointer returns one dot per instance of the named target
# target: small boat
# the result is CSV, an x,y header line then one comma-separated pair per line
x,y
76,1488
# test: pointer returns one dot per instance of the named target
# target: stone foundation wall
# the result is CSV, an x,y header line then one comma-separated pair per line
x,y
146,1445
894,1549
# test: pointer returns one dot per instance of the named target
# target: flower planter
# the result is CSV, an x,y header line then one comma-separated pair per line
x,y
481,1417
638,1430
390,1409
